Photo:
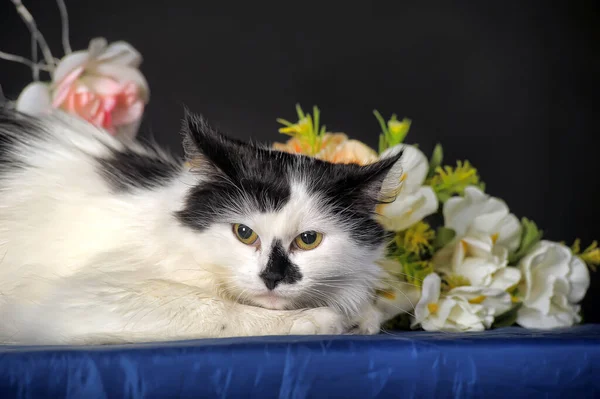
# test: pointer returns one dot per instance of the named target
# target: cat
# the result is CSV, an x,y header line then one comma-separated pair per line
x,y
106,240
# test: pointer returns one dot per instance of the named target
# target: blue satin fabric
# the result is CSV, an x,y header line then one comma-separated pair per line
x,y
510,362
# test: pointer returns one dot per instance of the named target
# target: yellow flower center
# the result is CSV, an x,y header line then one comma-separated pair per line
x,y
463,244
433,307
456,280
494,237
477,300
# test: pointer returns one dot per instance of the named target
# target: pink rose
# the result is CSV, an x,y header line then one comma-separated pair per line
x,y
101,85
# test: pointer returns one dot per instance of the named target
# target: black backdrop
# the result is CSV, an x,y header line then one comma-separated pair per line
x,y
511,87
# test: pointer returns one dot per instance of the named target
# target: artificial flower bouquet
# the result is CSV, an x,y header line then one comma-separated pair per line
x,y
481,268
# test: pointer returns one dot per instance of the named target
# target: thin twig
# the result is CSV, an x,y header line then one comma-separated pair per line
x,y
34,58
23,60
32,26
64,19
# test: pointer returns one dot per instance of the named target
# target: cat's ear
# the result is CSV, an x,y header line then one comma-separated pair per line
x,y
382,180
202,144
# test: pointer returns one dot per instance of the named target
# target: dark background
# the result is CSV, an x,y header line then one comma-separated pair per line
x,y
510,87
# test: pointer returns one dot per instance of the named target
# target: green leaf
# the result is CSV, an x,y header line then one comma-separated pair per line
x,y
316,115
384,135
436,160
381,143
444,196
530,236
299,111
507,319
443,236
284,122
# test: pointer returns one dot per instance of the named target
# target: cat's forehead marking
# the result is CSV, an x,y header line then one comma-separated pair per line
x,y
301,212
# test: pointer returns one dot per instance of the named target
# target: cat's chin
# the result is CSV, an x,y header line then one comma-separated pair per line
x,y
271,301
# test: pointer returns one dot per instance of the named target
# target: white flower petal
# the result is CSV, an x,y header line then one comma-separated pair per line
x,y
409,209
430,293
465,319
479,246
121,53
509,232
69,63
579,276
555,260
35,99
414,164
534,319
477,212
477,270
494,301
506,278
96,47
438,321
553,281
475,258
459,212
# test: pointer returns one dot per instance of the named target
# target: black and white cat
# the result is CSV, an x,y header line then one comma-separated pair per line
x,y
104,241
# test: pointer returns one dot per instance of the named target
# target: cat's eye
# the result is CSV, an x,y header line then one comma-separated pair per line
x,y
308,240
245,234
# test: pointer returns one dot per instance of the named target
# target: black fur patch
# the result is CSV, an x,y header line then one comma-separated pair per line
x,y
241,178
127,169
279,270
250,176
15,129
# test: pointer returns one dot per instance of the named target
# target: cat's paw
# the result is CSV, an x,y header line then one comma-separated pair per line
x,y
368,323
318,321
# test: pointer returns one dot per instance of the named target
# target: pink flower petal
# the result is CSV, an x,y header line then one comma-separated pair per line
x,y
109,103
126,115
64,86
123,75
102,85
107,123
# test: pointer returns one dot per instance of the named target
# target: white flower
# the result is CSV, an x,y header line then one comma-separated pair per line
x,y
554,281
462,309
415,201
477,259
477,212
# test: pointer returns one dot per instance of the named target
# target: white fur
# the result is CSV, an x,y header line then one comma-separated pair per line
x,y
79,264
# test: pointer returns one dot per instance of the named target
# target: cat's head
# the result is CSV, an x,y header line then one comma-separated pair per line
x,y
286,231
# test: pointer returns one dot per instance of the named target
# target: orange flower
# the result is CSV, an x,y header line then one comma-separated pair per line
x,y
335,148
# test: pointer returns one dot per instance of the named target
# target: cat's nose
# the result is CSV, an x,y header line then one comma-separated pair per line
x,y
271,279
